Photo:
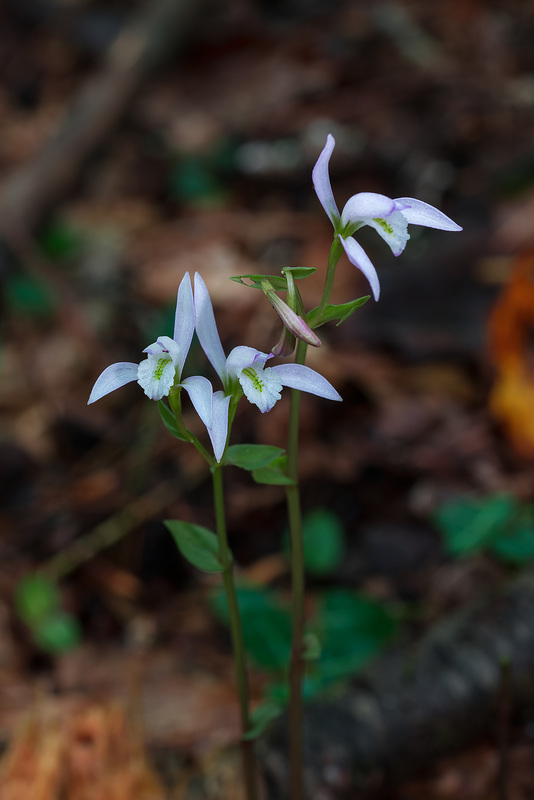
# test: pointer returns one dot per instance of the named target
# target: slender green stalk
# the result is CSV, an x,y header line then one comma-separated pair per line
x,y
298,583
333,258
297,664
236,633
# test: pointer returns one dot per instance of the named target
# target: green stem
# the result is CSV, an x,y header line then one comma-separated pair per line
x,y
335,254
297,664
298,583
236,633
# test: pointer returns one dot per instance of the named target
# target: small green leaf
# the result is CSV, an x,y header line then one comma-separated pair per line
x,y
274,474
332,312
299,273
324,542
57,634
469,525
252,456
196,543
169,420
516,547
260,718
36,597
255,281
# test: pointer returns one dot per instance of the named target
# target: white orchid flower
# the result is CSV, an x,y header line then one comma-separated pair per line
x,y
162,369
389,218
261,385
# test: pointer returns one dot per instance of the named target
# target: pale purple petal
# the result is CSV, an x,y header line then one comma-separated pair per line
x,y
242,357
357,256
112,378
184,320
297,376
419,213
218,432
206,328
366,205
200,391
321,181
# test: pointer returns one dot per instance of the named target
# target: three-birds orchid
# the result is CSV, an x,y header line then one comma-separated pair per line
x,y
245,366
243,372
389,218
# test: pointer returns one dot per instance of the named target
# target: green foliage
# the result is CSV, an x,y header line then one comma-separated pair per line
x,y
60,240
252,456
324,542
36,598
498,524
266,625
197,544
352,629
274,473
59,633
261,717
169,420
346,631
254,281
194,181
37,602
28,295
332,312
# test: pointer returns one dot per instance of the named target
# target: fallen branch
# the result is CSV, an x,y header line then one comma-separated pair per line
x,y
33,190
418,704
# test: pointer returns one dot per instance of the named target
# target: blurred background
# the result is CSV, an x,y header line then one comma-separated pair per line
x,y
140,140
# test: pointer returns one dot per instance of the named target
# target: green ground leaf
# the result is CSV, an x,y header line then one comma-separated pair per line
x,y
470,526
252,456
196,543
59,633
324,542
266,625
516,547
352,629
36,597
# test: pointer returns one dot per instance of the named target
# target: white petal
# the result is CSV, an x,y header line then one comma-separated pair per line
x,y
171,347
393,230
155,375
364,205
297,376
184,320
242,357
112,378
357,256
200,391
206,328
262,387
321,181
419,213
218,432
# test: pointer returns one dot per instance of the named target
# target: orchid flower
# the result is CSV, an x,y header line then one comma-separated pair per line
x,y
245,366
162,369
388,217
